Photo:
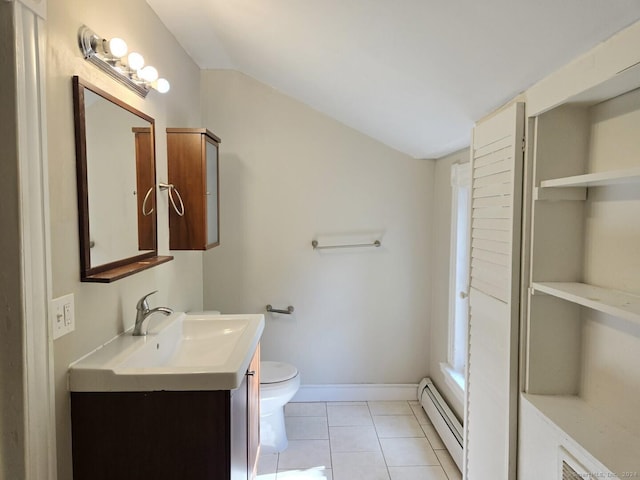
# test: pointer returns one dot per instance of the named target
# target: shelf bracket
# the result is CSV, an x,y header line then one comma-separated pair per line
x,y
557,194
533,292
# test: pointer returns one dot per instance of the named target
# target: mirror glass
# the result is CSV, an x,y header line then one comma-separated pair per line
x,y
116,181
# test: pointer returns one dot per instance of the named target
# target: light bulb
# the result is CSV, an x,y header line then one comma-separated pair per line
x,y
135,61
148,74
162,85
117,48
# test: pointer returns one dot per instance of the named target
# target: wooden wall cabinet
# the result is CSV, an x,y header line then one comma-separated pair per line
x,y
191,435
192,155
145,185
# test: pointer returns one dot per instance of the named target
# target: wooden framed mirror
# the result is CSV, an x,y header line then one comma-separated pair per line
x,y
115,165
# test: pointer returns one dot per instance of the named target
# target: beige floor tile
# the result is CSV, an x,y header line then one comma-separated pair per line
x,y
390,426
305,474
401,452
359,466
306,428
449,466
422,418
390,408
305,454
432,435
311,409
348,415
417,473
353,439
359,441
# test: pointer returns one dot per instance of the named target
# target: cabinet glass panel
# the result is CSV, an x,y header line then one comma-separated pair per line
x,y
212,193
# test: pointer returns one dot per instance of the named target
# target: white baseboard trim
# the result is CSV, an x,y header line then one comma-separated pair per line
x,y
356,392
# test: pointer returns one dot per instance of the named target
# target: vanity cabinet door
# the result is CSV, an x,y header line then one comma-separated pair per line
x,y
238,433
253,413
192,155
245,423
163,435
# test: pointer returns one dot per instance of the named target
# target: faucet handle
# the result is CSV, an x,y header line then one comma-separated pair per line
x,y
142,304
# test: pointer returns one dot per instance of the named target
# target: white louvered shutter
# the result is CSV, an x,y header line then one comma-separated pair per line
x,y
492,388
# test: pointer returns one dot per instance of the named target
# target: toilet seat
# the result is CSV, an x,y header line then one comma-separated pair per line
x,y
276,372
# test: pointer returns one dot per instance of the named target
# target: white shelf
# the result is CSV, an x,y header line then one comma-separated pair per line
x,y
616,177
612,302
607,442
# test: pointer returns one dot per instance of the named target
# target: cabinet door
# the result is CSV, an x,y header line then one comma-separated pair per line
x,y
192,155
145,191
238,433
245,423
186,169
492,366
213,234
253,406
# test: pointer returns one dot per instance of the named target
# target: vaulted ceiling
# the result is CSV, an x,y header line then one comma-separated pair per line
x,y
414,74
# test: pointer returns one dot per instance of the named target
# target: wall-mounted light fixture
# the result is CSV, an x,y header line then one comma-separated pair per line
x,y
111,57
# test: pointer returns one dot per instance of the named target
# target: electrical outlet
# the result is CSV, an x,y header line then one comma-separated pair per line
x,y
62,315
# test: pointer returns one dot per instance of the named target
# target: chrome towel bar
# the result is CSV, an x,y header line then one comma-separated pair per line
x,y
288,311
315,245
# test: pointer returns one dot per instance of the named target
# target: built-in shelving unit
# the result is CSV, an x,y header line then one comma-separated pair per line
x,y
613,446
606,300
583,254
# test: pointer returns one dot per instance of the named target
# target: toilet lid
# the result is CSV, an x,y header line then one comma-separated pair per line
x,y
275,372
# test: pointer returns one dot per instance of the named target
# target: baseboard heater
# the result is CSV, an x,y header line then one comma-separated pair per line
x,y
443,419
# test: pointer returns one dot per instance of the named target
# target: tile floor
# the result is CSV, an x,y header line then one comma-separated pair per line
x,y
359,440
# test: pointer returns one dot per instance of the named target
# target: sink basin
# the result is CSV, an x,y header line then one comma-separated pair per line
x,y
181,352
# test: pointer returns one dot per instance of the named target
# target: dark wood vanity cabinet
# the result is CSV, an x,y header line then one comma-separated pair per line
x,y
192,156
199,435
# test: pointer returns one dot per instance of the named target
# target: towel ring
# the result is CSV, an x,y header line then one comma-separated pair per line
x,y
172,188
144,203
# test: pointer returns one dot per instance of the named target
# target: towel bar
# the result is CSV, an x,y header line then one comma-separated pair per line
x,y
288,311
315,245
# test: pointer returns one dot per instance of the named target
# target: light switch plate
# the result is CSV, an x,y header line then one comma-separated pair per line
x,y
62,315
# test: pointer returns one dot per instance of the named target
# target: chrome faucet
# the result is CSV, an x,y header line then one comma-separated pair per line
x,y
143,312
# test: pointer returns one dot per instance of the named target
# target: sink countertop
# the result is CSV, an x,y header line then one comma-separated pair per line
x,y
181,352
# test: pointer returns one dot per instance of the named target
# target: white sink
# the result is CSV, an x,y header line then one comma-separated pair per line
x,y
181,352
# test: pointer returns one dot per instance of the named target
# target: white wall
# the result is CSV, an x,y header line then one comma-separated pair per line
x,y
441,254
288,175
612,259
104,310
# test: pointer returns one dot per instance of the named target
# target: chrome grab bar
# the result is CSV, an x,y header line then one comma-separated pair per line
x,y
315,245
288,311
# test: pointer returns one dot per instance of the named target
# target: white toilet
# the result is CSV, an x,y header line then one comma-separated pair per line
x,y
279,382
